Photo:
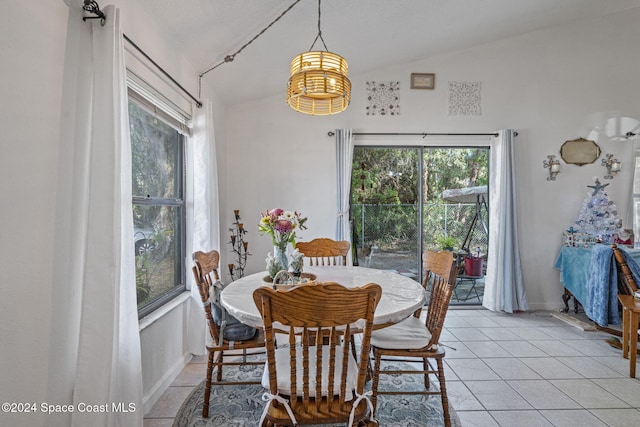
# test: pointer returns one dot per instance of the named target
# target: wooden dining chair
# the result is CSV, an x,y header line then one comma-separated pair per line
x,y
317,380
412,340
627,286
442,264
626,282
324,251
205,271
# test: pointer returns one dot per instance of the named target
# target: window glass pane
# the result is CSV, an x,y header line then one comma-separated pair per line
x,y
456,221
154,154
384,208
157,255
158,208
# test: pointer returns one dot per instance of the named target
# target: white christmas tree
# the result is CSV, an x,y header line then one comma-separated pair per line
x,y
599,215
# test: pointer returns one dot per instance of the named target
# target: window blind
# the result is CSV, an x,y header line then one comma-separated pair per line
x,y
157,104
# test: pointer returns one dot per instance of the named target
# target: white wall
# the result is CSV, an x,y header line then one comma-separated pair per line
x,y
32,38
551,86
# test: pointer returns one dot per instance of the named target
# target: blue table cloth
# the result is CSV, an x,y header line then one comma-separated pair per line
x,y
590,275
573,264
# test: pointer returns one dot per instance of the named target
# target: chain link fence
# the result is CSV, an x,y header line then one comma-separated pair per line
x,y
386,236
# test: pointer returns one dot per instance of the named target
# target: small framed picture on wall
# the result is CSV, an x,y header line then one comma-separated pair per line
x,y
423,80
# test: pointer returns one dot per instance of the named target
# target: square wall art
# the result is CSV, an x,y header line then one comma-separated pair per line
x,y
464,98
383,98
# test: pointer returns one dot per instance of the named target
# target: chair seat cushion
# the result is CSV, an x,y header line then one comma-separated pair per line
x,y
233,330
283,369
411,333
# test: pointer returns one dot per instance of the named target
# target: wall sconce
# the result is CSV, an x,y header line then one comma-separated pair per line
x,y
553,165
613,166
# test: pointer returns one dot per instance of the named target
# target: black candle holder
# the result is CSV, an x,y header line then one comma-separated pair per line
x,y
239,247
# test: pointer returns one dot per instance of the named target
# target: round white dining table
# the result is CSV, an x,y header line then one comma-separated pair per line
x,y
401,296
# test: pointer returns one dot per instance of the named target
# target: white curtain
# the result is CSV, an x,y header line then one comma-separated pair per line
x,y
504,285
344,157
94,350
634,206
202,212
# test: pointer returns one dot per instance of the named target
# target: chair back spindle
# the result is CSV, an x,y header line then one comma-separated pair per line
x,y
441,291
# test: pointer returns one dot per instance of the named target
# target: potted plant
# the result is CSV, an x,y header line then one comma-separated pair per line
x,y
446,242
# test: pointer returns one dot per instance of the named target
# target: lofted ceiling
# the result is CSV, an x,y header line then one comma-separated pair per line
x,y
370,34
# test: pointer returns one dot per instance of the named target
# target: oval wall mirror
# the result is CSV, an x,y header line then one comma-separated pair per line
x,y
579,151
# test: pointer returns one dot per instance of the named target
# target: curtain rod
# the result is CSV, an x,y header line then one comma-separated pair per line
x,y
91,6
198,103
423,134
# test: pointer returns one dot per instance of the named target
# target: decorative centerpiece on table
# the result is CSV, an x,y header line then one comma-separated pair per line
x,y
282,278
281,225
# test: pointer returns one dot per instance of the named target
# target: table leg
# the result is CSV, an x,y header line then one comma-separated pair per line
x,y
633,330
566,295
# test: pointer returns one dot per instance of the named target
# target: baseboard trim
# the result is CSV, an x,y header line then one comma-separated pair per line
x,y
150,399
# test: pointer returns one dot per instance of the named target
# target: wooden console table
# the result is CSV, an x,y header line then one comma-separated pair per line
x,y
574,265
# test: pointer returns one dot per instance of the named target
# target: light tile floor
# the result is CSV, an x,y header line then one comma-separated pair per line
x,y
527,369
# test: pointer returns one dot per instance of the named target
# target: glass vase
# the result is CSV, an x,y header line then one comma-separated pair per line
x,y
280,254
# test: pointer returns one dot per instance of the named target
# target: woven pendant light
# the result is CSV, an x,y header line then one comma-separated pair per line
x,y
319,84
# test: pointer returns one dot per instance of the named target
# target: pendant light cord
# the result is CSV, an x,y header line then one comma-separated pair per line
x,y
230,58
319,36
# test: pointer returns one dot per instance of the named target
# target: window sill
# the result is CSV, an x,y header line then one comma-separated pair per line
x,y
151,318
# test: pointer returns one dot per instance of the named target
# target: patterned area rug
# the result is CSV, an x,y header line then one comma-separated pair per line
x,y
242,405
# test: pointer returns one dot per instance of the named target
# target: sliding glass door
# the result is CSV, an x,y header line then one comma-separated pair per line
x,y
405,200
